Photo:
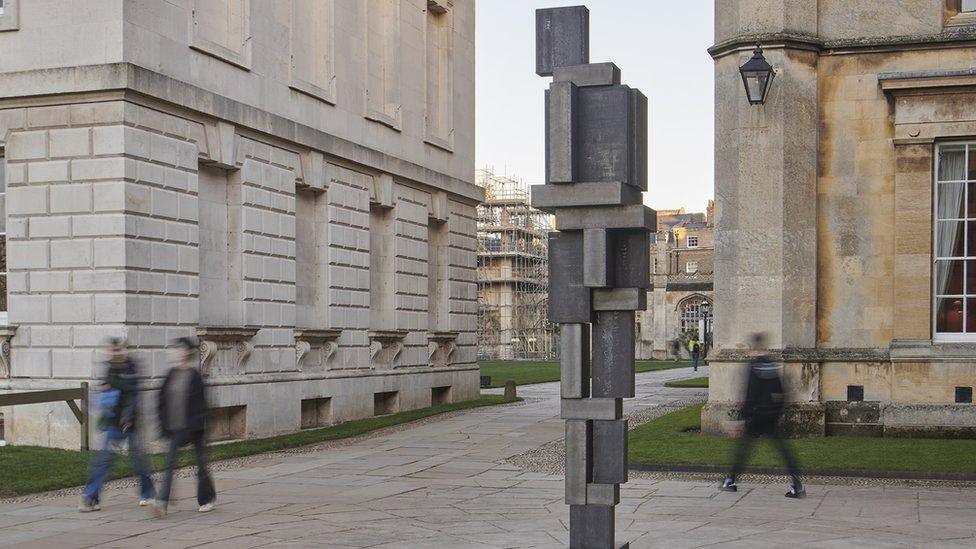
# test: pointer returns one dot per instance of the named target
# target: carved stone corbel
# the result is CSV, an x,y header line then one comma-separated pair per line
x,y
222,144
385,346
224,350
208,351
441,347
244,350
314,348
6,334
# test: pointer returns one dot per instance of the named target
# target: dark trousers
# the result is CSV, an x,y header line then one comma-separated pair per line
x,y
694,360
760,427
205,486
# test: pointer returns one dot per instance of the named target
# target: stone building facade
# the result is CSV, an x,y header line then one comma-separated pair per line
x,y
844,219
291,181
682,277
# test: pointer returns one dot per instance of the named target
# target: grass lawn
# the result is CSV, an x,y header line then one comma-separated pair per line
x,y
693,383
665,441
29,469
525,372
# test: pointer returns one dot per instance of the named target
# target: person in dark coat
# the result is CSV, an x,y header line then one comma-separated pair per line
x,y
183,414
119,399
761,411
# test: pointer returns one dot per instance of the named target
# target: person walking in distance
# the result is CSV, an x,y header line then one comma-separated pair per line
x,y
117,402
676,349
694,349
761,411
183,415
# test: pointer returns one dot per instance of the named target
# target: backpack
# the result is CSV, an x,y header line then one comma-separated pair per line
x,y
107,403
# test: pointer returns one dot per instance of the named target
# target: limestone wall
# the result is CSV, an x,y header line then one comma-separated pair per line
x,y
267,175
830,253
312,61
105,238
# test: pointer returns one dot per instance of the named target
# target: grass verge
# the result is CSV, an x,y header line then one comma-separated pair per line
x,y
674,440
693,383
526,372
31,469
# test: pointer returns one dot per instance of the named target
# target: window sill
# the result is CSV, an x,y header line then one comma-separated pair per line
x,y
963,19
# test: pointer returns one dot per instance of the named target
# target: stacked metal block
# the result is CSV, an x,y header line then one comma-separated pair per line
x,y
596,172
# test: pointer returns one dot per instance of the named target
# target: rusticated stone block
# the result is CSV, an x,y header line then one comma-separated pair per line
x,y
569,299
610,451
579,451
612,193
591,527
574,360
562,38
613,355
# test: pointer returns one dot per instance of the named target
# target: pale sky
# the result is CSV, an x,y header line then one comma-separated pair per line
x,y
659,48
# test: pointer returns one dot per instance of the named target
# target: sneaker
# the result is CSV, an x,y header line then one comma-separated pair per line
x,y
87,506
728,486
159,509
207,507
145,502
796,492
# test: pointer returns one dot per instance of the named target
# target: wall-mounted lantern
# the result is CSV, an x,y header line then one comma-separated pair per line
x,y
757,76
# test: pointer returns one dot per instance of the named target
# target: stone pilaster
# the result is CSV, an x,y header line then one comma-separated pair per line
x,y
766,195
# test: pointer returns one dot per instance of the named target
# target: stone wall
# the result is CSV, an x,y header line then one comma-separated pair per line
x,y
177,177
824,208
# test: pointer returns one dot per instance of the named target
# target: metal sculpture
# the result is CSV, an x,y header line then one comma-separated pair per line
x,y
599,259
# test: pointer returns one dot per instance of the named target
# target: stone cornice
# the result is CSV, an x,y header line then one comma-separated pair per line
x,y
27,87
770,40
795,354
894,82
151,384
952,37
899,351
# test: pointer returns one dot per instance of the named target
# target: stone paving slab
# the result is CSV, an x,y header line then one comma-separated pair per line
x,y
448,484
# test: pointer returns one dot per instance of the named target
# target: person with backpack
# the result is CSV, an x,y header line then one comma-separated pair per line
x,y
761,411
183,414
116,404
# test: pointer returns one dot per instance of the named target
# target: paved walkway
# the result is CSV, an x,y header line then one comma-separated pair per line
x,y
445,484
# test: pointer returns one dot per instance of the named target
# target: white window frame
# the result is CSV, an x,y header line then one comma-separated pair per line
x,y
10,15
957,337
691,267
689,240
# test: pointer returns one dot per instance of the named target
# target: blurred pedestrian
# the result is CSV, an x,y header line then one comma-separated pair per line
x,y
183,415
761,411
694,349
676,349
116,404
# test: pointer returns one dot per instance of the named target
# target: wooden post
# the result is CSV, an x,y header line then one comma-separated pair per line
x,y
85,416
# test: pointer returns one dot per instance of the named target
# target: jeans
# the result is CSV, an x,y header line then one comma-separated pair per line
x,y
205,487
694,360
102,463
759,427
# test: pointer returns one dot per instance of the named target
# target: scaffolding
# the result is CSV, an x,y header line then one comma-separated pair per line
x,y
513,273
